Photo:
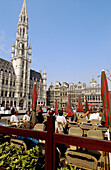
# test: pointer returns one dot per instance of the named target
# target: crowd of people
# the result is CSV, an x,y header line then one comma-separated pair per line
x,y
61,120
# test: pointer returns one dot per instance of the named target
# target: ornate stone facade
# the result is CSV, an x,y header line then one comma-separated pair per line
x,y
60,92
16,77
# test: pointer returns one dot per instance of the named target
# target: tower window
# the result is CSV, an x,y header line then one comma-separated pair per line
x,y
1,93
10,83
6,82
22,49
24,18
10,94
21,17
20,31
23,32
14,83
23,64
3,81
6,94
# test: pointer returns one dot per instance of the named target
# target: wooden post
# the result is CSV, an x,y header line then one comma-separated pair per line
x,y
54,155
49,143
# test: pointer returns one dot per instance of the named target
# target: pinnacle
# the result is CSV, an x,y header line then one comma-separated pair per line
x,y
24,8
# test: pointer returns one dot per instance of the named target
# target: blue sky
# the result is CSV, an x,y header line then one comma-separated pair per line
x,y
70,38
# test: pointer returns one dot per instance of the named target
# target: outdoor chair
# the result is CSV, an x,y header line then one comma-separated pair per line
x,y
4,121
75,131
86,127
82,120
39,127
86,159
18,142
95,122
97,134
103,129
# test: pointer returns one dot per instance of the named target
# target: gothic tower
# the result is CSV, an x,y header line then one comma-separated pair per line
x,y
21,58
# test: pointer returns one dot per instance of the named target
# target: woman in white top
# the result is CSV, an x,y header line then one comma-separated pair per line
x,y
26,117
14,118
61,119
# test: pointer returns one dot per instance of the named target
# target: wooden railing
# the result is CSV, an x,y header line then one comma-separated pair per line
x,y
53,138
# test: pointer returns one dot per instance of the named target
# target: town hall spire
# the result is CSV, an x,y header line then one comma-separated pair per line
x,y
21,55
24,8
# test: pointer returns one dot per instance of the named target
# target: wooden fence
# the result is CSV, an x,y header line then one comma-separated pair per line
x,y
53,138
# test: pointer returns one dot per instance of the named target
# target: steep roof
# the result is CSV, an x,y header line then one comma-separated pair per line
x,y
36,75
6,66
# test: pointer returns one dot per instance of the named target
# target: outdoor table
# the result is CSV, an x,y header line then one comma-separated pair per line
x,y
11,125
72,124
85,127
104,130
15,124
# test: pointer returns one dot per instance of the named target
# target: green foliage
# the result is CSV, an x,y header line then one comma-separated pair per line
x,y
12,158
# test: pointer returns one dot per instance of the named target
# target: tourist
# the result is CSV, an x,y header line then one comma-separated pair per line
x,y
74,116
62,119
40,117
48,111
95,116
14,118
26,117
